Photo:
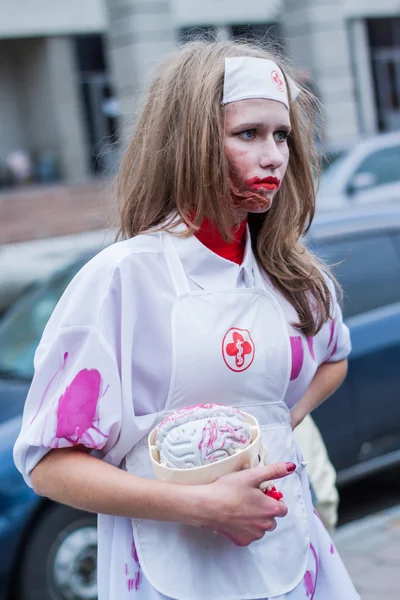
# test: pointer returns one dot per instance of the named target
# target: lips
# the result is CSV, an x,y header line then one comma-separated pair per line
x,y
268,183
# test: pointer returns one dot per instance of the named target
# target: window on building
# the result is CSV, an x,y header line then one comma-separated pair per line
x,y
382,32
90,53
99,102
384,41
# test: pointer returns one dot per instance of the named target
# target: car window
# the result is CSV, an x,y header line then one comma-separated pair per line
x,y
368,269
22,328
396,241
330,169
383,164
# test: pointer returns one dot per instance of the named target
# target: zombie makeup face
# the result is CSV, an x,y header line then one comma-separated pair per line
x,y
256,132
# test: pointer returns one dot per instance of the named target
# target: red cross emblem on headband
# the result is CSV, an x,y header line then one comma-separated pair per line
x,y
238,349
277,81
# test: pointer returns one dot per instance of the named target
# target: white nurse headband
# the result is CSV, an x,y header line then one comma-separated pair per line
x,y
248,77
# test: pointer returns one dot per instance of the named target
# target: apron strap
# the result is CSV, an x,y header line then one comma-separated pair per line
x,y
178,275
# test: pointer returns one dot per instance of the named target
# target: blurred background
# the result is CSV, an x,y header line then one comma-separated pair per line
x,y
71,78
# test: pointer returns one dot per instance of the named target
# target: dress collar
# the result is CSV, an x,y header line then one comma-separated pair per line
x,y
210,271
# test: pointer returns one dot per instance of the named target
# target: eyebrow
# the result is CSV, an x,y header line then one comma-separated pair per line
x,y
254,125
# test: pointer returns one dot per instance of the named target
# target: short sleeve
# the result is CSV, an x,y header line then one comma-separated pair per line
x,y
74,398
339,346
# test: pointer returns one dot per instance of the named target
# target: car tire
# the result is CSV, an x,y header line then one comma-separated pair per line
x,y
59,561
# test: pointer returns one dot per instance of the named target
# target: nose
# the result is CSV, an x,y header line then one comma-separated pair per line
x,y
271,155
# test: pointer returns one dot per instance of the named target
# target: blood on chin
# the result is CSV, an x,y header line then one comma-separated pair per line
x,y
249,199
253,204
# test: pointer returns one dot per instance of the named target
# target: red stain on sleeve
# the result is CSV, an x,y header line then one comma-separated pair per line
x,y
77,408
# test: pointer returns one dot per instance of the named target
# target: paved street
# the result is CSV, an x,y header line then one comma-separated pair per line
x,y
37,212
370,549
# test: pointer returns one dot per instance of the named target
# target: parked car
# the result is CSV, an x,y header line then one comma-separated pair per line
x,y
369,173
26,262
48,551
361,422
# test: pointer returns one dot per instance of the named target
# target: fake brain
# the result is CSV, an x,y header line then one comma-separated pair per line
x,y
201,434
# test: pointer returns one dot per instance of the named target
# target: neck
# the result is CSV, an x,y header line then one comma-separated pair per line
x,y
209,235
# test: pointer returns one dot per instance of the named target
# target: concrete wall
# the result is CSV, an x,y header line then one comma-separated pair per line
x,y
371,8
28,18
72,142
40,104
29,57
221,12
325,37
26,116
317,38
189,13
141,34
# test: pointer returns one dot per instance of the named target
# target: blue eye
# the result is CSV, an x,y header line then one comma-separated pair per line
x,y
280,136
249,134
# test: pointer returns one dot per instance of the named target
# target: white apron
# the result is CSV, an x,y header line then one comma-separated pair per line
x,y
230,347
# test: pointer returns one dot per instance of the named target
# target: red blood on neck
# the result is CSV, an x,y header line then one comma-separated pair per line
x,y
209,235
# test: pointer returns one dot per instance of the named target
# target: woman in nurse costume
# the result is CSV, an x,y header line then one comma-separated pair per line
x,y
211,297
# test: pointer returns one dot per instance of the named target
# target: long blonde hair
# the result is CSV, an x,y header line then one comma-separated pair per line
x,y
175,165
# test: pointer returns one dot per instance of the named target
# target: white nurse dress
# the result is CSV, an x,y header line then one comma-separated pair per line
x,y
153,324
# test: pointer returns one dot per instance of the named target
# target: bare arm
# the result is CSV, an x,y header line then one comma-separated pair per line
x,y
233,505
327,379
74,477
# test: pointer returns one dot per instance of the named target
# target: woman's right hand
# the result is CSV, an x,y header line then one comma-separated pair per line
x,y
235,507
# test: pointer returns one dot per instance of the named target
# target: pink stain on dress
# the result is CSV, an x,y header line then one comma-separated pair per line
x,y
134,553
310,342
297,356
332,549
135,582
316,571
77,408
138,580
332,332
309,583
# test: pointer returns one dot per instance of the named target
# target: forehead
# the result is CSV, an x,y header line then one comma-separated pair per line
x,y
259,110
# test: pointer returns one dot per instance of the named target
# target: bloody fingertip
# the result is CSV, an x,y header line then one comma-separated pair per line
x,y
273,494
290,467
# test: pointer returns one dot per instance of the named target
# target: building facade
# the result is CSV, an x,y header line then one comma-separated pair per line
x,y
352,50
349,50
63,64
52,81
